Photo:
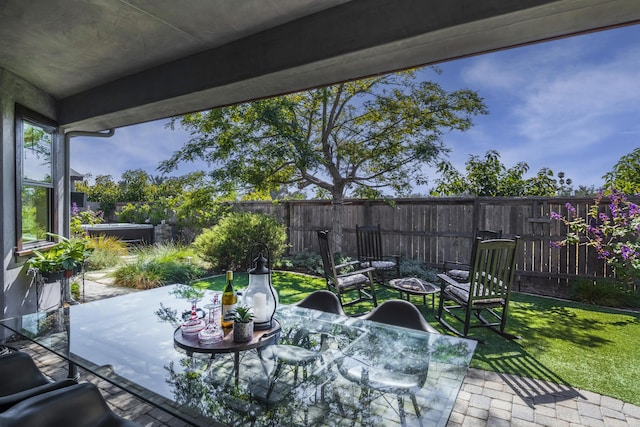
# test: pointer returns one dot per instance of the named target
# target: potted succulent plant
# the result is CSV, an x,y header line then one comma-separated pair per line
x,y
242,324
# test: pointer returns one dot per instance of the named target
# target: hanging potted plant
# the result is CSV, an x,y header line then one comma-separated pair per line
x,y
66,257
46,264
242,324
73,254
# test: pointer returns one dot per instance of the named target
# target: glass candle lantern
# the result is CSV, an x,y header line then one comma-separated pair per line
x,y
260,294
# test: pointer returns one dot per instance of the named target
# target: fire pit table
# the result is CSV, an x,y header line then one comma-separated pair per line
x,y
415,286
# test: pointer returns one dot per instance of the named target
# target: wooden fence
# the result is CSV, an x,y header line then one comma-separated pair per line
x,y
435,230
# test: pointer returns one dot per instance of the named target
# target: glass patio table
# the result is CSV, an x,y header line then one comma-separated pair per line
x,y
365,372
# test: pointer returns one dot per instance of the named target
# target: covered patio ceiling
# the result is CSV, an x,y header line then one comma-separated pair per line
x,y
112,63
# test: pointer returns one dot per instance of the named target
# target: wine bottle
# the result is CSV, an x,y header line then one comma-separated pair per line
x,y
229,300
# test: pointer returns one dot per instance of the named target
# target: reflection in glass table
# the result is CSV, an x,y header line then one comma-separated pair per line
x,y
128,341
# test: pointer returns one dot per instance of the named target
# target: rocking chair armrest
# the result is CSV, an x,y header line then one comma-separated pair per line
x,y
363,271
371,258
347,264
449,265
446,281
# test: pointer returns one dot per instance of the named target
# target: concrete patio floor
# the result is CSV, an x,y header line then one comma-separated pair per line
x,y
486,398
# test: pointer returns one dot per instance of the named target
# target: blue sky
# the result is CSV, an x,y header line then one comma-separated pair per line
x,y
572,105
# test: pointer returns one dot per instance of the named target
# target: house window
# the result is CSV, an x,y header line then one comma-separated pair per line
x,y
35,138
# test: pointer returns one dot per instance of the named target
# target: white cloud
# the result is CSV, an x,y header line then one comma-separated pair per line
x,y
570,105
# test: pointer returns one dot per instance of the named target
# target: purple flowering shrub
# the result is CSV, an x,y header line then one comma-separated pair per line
x,y
79,217
614,236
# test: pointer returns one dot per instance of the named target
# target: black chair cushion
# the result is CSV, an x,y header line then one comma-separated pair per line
x,y
79,405
21,379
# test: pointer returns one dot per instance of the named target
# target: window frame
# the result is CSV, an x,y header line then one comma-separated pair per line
x,y
22,115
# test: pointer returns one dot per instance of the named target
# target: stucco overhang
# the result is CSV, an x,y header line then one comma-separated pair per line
x,y
112,63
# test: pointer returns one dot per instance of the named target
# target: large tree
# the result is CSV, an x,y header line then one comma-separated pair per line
x,y
350,139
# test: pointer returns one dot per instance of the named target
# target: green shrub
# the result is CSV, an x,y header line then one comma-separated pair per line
x,y
604,293
145,213
158,265
306,262
339,259
75,291
229,244
416,268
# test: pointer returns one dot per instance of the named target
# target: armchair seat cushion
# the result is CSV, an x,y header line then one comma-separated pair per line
x,y
380,265
351,280
459,275
360,280
461,291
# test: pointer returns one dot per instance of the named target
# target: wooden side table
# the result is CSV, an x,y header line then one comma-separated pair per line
x,y
415,286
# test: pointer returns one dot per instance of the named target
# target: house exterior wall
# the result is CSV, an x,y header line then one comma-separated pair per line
x,y
18,295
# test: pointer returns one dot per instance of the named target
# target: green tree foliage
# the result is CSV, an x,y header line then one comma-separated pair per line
x,y
104,191
488,176
354,138
228,244
142,213
135,186
542,184
625,175
193,201
196,202
584,190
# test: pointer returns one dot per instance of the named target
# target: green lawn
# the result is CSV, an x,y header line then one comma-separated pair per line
x,y
584,346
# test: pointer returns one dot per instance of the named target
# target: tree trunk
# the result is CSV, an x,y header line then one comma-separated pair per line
x,y
337,205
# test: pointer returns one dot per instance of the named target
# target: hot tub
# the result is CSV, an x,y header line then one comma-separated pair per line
x,y
129,233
